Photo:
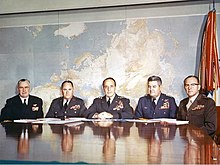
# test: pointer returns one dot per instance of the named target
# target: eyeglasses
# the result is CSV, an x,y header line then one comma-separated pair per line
x,y
190,85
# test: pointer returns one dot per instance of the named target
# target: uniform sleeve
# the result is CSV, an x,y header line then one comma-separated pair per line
x,y
51,111
173,108
91,110
40,111
180,111
138,110
126,112
6,113
83,108
210,123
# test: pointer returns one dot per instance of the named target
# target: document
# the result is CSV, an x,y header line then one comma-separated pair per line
x,y
68,120
24,121
167,120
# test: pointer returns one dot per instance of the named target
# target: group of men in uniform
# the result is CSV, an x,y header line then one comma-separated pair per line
x,y
198,109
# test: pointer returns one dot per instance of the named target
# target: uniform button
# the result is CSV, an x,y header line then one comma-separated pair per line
x,y
65,112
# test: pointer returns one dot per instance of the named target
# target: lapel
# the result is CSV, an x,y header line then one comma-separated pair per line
x,y
195,103
18,100
61,103
30,101
72,102
114,102
185,102
112,105
104,104
160,101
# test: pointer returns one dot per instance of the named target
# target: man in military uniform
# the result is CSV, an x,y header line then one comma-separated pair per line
x,y
155,104
23,105
68,105
111,105
198,109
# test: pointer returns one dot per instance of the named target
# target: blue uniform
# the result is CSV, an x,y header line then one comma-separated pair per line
x,y
166,107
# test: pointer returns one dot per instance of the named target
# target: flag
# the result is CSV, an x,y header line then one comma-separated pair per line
x,y
209,66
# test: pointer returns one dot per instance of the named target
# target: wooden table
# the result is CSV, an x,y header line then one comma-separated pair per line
x,y
106,142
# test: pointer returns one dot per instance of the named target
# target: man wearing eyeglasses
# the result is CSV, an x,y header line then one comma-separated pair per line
x,y
198,109
23,105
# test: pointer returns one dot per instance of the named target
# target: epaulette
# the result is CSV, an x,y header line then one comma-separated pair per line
x,y
121,97
169,95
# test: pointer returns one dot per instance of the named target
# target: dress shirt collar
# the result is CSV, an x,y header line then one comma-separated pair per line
x,y
66,100
111,98
192,99
156,99
22,99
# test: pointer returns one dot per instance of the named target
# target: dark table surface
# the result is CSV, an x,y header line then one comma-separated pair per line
x,y
106,142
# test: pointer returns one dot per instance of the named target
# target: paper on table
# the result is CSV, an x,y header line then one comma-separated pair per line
x,y
24,121
181,122
45,120
142,120
172,121
70,120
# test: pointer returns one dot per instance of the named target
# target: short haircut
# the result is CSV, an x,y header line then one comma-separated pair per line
x,y
23,80
108,78
191,76
155,78
66,81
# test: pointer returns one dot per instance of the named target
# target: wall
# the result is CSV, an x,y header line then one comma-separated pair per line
x,y
50,42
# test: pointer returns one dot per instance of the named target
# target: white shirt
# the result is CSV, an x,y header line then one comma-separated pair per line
x,y
191,100
111,98
26,99
156,99
65,100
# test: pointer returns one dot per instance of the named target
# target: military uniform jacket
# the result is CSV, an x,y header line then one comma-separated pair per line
x,y
120,107
202,113
166,107
15,109
75,108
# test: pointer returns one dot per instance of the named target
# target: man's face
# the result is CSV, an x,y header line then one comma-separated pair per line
x,y
153,89
67,90
24,89
109,87
191,86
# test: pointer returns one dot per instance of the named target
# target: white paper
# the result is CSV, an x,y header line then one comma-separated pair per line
x,y
24,121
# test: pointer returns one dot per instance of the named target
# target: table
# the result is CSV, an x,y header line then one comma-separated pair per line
x,y
106,142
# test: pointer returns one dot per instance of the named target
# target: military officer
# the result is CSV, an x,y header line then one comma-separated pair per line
x,y
68,105
111,105
155,104
23,105
198,109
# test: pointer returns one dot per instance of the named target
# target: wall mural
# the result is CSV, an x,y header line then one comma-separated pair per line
x,y
128,50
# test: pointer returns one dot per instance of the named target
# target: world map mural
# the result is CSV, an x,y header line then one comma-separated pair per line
x,y
128,50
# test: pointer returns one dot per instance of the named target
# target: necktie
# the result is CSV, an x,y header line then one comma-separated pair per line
x,y
153,103
189,104
25,102
108,102
65,105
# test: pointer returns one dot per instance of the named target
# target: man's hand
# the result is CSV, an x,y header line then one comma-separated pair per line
x,y
105,115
